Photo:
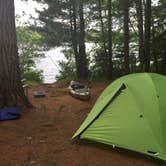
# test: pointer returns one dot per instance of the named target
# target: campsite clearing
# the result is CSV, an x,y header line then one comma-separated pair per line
x,y
42,137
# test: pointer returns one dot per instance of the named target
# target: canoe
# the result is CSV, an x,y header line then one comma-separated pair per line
x,y
79,91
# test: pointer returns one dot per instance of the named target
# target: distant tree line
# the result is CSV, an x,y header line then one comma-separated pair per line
x,y
128,36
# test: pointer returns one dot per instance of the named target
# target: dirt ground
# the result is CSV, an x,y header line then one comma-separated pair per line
x,y
42,137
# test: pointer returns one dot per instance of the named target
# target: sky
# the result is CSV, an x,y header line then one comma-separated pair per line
x,y
27,6
30,6
26,9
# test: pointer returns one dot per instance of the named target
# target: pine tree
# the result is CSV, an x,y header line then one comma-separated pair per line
x,y
126,36
11,90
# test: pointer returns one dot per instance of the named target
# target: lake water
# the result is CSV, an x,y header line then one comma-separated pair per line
x,y
49,64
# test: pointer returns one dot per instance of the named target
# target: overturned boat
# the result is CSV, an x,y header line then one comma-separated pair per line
x,y
79,91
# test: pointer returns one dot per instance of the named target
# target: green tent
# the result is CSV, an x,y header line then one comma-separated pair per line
x,y
131,114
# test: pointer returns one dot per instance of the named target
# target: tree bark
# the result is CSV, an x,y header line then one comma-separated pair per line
x,y
102,27
139,9
11,90
109,6
154,51
74,34
82,50
126,36
147,34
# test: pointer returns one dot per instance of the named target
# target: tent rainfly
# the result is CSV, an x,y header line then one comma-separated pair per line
x,y
130,114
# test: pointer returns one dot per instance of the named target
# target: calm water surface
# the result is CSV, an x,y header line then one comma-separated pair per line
x,y
49,64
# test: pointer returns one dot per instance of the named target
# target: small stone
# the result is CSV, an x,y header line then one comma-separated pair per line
x,y
42,141
32,162
29,138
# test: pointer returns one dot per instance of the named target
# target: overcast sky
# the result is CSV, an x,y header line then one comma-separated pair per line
x,y
28,8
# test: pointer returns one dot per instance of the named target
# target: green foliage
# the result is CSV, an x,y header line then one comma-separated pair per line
x,y
67,68
56,21
33,76
30,45
99,66
159,37
99,63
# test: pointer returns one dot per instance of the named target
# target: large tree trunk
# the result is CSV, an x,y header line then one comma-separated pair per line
x,y
11,91
147,34
139,8
126,36
82,50
154,51
109,6
102,26
74,34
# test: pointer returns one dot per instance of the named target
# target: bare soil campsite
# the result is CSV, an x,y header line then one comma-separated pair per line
x,y
42,136
57,57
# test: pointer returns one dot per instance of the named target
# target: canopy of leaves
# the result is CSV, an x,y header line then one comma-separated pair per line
x,y
55,19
